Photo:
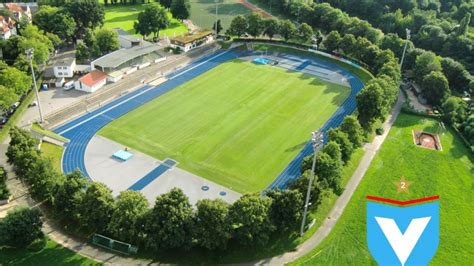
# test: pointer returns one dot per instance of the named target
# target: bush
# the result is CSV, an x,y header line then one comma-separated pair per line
x,y
38,244
379,131
4,192
21,227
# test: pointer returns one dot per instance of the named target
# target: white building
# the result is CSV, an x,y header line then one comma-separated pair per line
x,y
190,41
91,82
64,68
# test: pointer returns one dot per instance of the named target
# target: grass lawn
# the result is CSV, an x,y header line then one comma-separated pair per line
x,y
36,127
123,16
54,153
203,12
52,254
238,124
446,173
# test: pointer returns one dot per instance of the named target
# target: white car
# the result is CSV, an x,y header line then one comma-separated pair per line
x,y
69,85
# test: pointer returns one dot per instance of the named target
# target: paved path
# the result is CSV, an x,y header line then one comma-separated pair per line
x,y
341,203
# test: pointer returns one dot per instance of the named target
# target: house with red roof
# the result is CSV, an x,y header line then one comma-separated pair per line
x,y
91,82
7,27
19,11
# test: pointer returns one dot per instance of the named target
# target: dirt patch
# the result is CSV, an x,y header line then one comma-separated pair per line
x,y
427,140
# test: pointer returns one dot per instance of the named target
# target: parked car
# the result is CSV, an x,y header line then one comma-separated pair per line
x,y
3,121
33,103
13,108
69,85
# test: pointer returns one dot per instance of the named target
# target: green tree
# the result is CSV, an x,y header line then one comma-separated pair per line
x,y
44,179
97,208
464,25
82,52
169,223
301,185
21,227
435,87
271,27
287,29
106,40
86,13
370,105
250,218
425,64
165,3
212,229
32,37
286,210
351,126
454,111
342,139
458,77
238,26
180,9
56,21
14,79
69,197
305,33
219,26
332,41
255,25
329,171
151,20
7,98
131,207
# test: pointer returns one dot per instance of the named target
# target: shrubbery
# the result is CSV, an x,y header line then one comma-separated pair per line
x,y
88,207
4,192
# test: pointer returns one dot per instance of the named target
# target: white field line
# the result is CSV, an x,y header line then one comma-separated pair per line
x,y
133,97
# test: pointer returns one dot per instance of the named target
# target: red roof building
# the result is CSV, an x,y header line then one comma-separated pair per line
x,y
92,81
7,27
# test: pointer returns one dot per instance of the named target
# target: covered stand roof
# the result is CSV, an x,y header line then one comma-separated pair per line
x,y
122,56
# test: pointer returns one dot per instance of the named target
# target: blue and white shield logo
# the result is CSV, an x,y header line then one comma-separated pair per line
x,y
403,235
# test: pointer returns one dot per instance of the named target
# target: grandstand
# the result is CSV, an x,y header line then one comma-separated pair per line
x,y
132,57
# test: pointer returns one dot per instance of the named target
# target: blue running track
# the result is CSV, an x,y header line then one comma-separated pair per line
x,y
81,130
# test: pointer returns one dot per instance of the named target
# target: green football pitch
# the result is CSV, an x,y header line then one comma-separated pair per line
x,y
447,173
238,124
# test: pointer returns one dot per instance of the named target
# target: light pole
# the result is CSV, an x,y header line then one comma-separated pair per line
x,y
215,25
29,57
317,141
405,48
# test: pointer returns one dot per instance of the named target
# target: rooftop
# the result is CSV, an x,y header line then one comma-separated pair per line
x,y
187,38
93,78
121,56
68,61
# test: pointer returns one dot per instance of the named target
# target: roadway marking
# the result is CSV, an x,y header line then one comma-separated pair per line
x,y
136,95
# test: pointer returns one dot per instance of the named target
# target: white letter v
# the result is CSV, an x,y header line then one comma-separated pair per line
x,y
403,244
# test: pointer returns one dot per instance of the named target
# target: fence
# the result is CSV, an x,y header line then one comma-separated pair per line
x,y
113,245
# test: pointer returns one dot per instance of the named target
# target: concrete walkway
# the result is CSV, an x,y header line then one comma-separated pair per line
x,y
341,203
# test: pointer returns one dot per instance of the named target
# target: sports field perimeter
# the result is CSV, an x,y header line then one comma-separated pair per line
x,y
238,124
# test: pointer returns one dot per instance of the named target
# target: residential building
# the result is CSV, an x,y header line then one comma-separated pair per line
x,y
64,68
7,27
19,10
91,82
190,41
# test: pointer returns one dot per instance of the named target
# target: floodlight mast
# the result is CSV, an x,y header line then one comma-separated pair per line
x,y
215,25
29,57
317,141
405,47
